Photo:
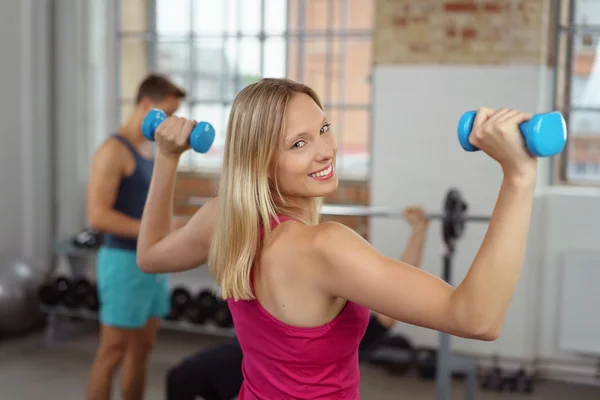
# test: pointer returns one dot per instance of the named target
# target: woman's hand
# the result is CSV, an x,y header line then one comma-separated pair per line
x,y
172,136
497,134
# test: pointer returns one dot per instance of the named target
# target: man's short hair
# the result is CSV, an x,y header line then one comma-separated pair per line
x,y
158,87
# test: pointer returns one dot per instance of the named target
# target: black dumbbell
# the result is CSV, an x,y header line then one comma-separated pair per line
x,y
494,380
86,294
202,308
48,294
520,382
426,362
222,316
180,302
66,292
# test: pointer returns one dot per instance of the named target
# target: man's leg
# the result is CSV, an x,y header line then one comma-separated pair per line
x,y
212,374
110,353
133,371
126,295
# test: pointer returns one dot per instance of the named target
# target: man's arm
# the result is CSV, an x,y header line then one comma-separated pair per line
x,y
413,252
107,169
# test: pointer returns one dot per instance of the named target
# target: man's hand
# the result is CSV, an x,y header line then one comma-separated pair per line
x,y
416,217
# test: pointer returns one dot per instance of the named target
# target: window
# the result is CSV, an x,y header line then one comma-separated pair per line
x,y
578,88
214,48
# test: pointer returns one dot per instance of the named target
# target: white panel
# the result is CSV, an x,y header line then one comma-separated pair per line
x,y
579,322
416,157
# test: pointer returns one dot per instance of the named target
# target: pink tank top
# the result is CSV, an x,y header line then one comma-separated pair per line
x,y
286,362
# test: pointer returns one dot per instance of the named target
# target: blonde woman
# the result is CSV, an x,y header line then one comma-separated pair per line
x,y
300,291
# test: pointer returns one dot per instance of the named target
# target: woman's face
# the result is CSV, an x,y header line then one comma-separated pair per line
x,y
306,155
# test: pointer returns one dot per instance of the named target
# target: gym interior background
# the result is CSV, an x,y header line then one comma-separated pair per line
x,y
395,76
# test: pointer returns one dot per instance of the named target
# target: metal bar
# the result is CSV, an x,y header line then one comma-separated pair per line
x,y
329,54
301,39
342,77
575,107
192,54
359,211
238,44
152,39
339,106
579,29
117,58
262,36
567,89
316,34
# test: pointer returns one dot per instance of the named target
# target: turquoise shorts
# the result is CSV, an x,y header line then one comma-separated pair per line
x,y
128,297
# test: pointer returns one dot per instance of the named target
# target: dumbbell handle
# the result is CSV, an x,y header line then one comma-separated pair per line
x,y
201,138
545,134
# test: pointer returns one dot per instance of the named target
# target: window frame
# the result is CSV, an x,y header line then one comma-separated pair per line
x,y
566,30
300,32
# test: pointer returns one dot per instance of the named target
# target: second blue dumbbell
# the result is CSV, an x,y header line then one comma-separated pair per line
x,y
545,134
201,138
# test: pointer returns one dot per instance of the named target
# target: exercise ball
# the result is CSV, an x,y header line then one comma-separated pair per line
x,y
19,304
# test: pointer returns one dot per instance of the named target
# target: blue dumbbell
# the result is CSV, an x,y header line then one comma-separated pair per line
x,y
545,134
201,138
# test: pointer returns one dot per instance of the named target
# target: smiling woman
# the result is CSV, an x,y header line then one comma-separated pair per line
x,y
297,289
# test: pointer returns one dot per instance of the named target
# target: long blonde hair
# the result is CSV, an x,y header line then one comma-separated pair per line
x,y
248,199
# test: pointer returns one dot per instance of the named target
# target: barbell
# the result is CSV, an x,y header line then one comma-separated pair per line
x,y
453,216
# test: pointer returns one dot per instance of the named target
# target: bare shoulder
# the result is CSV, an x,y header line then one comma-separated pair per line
x,y
330,238
328,245
111,156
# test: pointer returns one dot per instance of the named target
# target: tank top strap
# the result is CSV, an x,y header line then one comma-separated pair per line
x,y
128,144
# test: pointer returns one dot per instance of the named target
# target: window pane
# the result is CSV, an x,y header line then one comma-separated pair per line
x,y
357,14
585,78
307,64
249,16
584,145
584,159
353,142
210,64
351,61
584,123
275,16
314,15
274,58
249,61
211,16
216,115
173,54
133,15
587,12
133,65
172,17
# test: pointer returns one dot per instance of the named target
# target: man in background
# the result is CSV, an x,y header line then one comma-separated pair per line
x,y
131,301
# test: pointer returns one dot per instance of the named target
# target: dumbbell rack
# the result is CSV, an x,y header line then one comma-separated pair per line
x,y
64,323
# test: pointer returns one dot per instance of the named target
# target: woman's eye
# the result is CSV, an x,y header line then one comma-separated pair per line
x,y
325,128
299,144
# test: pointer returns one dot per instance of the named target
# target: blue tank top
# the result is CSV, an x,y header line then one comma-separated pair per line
x,y
131,196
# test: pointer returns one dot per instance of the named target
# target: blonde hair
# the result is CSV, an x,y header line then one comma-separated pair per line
x,y
248,199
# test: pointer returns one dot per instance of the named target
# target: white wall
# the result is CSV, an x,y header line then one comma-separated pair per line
x,y
417,158
25,112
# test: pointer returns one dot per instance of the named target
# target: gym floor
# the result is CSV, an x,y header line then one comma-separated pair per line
x,y
29,370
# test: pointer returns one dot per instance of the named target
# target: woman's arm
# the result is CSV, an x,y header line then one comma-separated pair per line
x,y
159,249
475,309
413,252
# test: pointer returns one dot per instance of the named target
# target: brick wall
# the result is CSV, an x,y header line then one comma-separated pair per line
x,y
196,185
461,31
